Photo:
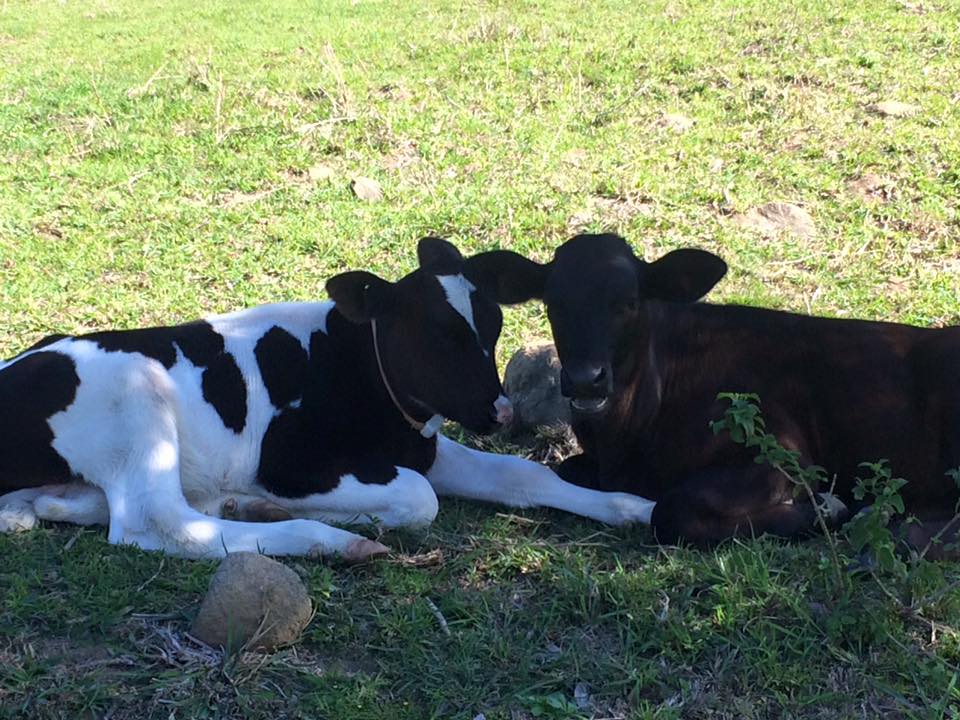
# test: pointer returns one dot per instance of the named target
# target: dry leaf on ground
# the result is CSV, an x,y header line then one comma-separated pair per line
x,y
610,210
893,108
366,189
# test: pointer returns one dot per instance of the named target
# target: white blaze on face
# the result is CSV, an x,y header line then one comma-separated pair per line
x,y
457,289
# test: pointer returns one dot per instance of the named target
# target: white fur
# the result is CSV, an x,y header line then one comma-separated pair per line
x,y
77,503
406,501
457,289
521,483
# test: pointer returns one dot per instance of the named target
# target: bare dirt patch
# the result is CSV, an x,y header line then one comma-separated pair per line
x,y
404,155
676,122
872,187
777,217
610,211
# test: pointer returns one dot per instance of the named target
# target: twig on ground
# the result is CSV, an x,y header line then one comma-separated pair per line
x,y
142,89
438,615
73,539
152,577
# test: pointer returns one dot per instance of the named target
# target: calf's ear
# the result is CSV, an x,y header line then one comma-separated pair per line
x,y
439,256
359,295
684,275
506,277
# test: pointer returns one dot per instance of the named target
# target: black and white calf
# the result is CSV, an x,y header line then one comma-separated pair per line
x,y
298,412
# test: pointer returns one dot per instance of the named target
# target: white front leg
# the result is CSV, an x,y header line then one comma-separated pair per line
x,y
134,458
513,481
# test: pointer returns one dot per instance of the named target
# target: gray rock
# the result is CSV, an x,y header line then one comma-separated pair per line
x,y
532,382
17,516
253,601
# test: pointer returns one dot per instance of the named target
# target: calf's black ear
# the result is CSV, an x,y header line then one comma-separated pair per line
x,y
684,275
506,277
359,295
439,256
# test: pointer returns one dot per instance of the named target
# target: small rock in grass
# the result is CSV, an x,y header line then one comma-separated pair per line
x,y
775,217
16,517
532,382
253,601
893,108
366,189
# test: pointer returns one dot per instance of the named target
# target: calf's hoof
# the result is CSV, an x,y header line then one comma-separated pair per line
x,y
356,552
258,510
834,510
363,550
626,509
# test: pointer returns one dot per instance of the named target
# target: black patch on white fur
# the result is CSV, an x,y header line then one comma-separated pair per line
x,y
346,424
197,340
283,366
224,388
223,385
31,391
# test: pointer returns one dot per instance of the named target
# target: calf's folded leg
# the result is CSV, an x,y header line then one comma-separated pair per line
x,y
740,501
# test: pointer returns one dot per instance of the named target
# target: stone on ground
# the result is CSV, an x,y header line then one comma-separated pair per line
x,y
252,601
17,516
532,382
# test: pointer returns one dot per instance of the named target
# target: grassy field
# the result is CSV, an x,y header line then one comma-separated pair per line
x,y
159,161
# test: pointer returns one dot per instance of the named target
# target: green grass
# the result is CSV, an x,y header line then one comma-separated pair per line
x,y
153,161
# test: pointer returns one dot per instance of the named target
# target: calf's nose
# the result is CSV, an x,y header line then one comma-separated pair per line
x,y
587,380
503,410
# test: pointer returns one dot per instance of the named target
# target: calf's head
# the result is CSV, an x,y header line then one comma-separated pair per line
x,y
596,293
435,331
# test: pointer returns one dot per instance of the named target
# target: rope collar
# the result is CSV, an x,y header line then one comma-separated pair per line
x,y
427,429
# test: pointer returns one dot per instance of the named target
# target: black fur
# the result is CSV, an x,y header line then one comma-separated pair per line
x,y
224,388
839,392
344,406
32,390
283,366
